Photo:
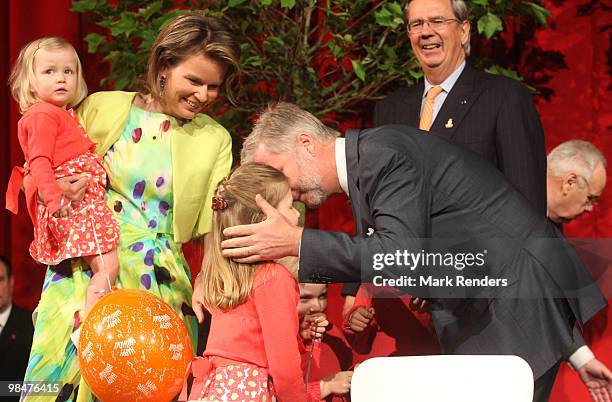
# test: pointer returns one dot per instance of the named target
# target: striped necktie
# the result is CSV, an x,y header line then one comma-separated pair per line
x,y
427,113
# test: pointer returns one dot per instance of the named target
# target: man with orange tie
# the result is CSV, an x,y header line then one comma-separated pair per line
x,y
491,115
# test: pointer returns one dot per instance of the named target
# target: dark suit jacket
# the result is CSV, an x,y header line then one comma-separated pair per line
x,y
15,345
410,187
493,116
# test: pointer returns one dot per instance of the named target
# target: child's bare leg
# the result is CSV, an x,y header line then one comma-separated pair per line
x,y
107,264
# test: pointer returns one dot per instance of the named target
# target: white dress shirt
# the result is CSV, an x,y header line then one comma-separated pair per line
x,y
4,316
341,164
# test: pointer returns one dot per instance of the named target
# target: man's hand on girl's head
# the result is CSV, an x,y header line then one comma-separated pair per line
x,y
268,240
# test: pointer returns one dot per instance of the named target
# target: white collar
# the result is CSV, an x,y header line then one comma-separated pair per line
x,y
340,149
449,82
4,316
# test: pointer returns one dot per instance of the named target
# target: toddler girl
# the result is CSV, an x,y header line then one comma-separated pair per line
x,y
46,81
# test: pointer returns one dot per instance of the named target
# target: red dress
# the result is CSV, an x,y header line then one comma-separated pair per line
x,y
54,146
262,333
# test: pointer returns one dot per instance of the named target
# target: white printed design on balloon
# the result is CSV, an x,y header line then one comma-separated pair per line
x,y
112,320
127,347
107,374
163,320
88,353
147,388
176,349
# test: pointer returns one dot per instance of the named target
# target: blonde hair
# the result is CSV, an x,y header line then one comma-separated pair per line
x,y
23,80
190,34
226,284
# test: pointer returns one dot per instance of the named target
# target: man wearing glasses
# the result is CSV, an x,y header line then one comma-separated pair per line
x,y
491,115
576,178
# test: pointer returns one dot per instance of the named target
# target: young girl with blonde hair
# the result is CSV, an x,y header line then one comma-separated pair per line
x,y
47,81
252,350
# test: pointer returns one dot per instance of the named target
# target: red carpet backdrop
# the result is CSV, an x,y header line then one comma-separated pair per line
x,y
570,62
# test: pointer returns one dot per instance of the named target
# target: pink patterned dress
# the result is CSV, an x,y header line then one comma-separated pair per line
x,y
90,229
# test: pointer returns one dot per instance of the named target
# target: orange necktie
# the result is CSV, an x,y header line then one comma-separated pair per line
x,y
427,113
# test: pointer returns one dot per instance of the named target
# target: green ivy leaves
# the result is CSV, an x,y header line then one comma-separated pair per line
x,y
489,24
327,56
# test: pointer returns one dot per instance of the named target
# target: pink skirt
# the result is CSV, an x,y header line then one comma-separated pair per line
x,y
90,228
238,382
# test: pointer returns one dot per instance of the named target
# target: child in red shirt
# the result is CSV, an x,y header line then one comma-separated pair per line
x,y
324,352
47,79
252,349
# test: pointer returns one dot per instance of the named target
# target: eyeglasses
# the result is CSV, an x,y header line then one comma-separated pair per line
x,y
591,198
435,23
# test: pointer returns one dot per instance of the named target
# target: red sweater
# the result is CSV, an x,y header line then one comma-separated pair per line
x,y
49,136
263,331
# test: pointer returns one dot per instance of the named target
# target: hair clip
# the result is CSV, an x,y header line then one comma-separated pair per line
x,y
218,203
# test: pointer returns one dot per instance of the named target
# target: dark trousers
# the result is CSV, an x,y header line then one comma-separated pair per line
x,y
544,384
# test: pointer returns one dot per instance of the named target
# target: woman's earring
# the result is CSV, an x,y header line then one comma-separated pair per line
x,y
162,85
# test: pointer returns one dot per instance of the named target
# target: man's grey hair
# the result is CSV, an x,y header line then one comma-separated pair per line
x,y
461,12
277,129
580,157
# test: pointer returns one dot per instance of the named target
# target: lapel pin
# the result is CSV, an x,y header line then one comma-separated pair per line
x,y
449,123
370,231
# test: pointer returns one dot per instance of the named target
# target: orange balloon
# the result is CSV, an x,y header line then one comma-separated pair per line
x,y
134,347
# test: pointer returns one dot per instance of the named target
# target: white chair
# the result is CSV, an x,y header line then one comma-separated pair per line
x,y
443,378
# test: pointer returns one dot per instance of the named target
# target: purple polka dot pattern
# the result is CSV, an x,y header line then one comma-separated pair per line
x,y
145,280
139,189
164,207
149,258
137,246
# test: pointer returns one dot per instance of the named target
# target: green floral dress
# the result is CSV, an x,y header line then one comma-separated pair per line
x,y
139,168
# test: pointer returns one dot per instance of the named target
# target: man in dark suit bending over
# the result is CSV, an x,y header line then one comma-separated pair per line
x,y
405,187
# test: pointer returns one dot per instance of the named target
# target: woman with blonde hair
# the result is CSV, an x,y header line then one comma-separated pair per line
x,y
164,157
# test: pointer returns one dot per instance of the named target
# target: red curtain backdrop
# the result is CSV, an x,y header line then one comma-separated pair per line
x,y
581,108
578,108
